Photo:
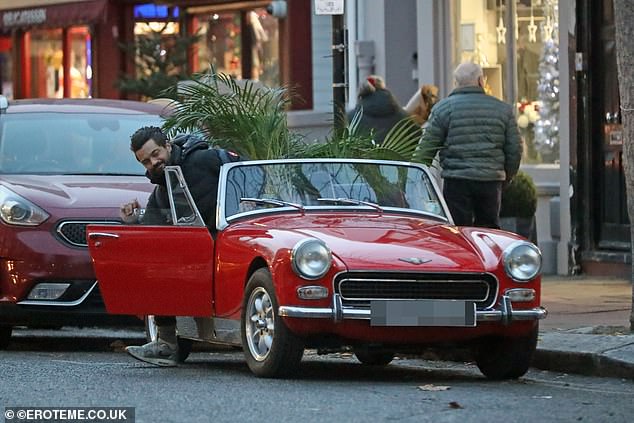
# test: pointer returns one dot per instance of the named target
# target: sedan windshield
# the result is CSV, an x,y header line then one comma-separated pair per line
x,y
65,143
373,186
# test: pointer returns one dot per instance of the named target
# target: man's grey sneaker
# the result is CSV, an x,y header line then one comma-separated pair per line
x,y
159,353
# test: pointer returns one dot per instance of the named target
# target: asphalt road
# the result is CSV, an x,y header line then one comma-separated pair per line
x,y
72,368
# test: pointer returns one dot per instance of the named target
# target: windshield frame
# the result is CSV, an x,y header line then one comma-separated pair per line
x,y
222,220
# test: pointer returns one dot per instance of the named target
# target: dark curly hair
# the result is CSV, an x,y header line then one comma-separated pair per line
x,y
142,135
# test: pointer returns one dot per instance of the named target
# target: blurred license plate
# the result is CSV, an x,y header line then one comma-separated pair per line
x,y
422,313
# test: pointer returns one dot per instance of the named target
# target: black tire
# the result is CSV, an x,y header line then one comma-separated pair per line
x,y
184,345
506,358
270,348
374,358
5,336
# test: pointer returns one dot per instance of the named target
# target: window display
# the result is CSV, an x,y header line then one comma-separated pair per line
x,y
46,55
225,47
481,37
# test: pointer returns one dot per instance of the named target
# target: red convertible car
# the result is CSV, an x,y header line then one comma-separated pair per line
x,y
330,254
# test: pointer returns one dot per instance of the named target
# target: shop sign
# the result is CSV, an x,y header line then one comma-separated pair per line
x,y
75,12
23,17
329,7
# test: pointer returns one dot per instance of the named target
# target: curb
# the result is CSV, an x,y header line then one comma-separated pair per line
x,y
588,364
586,352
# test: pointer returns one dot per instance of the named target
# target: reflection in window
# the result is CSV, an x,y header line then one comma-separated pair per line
x,y
481,38
78,144
47,63
306,183
243,49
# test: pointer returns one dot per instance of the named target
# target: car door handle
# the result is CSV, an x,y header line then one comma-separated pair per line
x,y
95,235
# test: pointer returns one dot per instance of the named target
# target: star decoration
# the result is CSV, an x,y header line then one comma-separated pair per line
x,y
501,30
532,31
547,29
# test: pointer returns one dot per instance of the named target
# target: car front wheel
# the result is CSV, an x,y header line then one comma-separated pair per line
x,y
270,348
506,358
5,336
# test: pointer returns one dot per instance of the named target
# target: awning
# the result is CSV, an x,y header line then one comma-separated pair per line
x,y
27,14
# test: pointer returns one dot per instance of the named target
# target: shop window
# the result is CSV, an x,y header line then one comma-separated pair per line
x,y
80,62
246,49
46,55
6,82
481,37
47,69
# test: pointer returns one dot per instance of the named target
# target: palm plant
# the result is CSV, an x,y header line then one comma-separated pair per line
x,y
251,119
239,115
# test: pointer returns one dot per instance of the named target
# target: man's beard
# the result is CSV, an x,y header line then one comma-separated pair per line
x,y
157,171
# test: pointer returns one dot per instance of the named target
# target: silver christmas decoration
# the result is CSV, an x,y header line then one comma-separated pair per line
x,y
547,126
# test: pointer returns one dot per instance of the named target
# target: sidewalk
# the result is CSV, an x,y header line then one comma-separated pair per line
x,y
587,328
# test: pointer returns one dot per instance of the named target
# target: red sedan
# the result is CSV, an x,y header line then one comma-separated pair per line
x,y
63,164
330,254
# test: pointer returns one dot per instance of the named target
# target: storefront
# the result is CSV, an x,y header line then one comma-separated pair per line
x,y
602,237
50,47
563,51
242,39
517,45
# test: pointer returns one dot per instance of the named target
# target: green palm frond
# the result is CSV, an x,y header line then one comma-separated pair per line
x,y
400,142
344,141
244,116
251,119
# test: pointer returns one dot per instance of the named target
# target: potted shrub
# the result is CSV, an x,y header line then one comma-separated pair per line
x,y
519,204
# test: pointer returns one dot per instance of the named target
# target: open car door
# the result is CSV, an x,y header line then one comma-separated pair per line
x,y
159,270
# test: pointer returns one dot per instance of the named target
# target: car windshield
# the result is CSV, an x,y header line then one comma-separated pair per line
x,y
65,143
254,187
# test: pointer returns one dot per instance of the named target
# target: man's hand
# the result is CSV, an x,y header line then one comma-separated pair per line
x,y
129,212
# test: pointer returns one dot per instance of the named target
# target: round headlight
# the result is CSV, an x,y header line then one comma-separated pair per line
x,y
522,261
311,259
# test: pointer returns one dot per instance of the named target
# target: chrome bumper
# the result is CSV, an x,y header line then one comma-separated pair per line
x,y
502,313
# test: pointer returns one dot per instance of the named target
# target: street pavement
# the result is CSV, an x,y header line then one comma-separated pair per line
x,y
587,330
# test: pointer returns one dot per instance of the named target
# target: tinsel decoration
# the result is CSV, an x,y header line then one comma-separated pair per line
x,y
547,126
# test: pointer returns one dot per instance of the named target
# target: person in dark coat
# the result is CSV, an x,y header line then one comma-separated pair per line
x,y
379,109
201,168
479,146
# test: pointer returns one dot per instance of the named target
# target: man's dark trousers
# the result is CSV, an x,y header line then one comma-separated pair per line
x,y
473,203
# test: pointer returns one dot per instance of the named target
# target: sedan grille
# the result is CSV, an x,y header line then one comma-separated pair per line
x,y
74,232
359,288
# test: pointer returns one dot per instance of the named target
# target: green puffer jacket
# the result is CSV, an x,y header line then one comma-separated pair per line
x,y
477,136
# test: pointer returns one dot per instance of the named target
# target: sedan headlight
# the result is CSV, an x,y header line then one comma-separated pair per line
x,y
522,261
17,210
311,258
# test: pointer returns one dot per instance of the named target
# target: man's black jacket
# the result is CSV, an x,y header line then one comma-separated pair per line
x,y
201,169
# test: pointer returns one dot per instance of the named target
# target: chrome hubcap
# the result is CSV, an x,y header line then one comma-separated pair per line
x,y
260,324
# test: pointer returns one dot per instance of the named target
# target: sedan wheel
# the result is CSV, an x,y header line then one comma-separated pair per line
x,y
5,336
271,350
506,358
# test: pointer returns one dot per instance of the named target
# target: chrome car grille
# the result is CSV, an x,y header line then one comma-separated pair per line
x,y
359,288
73,232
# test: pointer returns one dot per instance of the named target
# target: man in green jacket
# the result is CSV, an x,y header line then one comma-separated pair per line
x,y
479,147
